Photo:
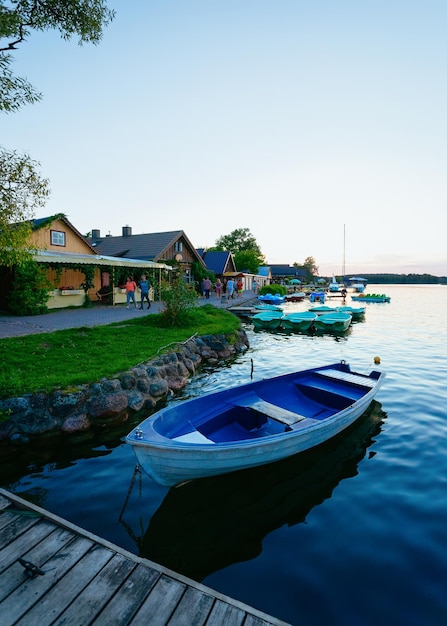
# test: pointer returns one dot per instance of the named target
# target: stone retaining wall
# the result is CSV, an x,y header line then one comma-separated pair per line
x,y
139,388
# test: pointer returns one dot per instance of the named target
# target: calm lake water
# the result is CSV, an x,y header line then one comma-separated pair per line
x,y
352,533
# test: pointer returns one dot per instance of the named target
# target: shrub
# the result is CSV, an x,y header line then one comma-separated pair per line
x,y
177,298
274,289
30,290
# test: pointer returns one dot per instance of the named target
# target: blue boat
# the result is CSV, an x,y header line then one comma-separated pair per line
x,y
267,307
317,296
271,298
252,424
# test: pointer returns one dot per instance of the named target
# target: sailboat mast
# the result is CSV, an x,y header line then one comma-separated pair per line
x,y
343,269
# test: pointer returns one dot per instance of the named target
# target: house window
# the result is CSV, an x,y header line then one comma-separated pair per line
x,y
178,246
57,238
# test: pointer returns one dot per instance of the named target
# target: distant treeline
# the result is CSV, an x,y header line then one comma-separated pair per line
x,y
405,279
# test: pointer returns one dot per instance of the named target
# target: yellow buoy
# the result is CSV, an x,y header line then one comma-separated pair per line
x,y
377,360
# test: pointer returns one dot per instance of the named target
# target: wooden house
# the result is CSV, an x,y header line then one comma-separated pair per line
x,y
165,247
66,255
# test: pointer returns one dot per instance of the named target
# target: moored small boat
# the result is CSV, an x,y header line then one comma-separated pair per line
x,y
371,297
252,424
333,322
267,307
317,296
271,298
357,313
297,296
319,309
267,319
299,321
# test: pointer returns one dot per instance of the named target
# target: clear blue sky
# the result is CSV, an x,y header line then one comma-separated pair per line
x,y
287,117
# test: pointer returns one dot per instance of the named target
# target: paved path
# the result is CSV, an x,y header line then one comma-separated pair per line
x,y
59,319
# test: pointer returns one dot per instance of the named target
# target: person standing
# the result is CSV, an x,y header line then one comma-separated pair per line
x,y
239,287
207,287
230,288
130,291
218,287
144,286
255,285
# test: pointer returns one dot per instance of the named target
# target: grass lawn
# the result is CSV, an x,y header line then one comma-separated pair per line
x,y
67,358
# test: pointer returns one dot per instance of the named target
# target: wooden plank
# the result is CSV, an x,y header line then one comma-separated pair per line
x,y
14,576
95,596
160,604
129,597
15,528
254,620
6,518
4,503
223,613
272,410
193,609
356,379
19,546
32,590
58,597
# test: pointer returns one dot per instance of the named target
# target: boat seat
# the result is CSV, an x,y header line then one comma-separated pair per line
x,y
347,377
277,413
192,437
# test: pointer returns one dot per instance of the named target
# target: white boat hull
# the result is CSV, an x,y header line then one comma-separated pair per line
x,y
171,456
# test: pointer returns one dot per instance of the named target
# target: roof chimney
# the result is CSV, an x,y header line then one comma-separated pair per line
x,y
96,234
127,231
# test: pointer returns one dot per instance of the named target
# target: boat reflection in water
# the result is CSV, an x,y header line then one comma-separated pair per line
x,y
210,523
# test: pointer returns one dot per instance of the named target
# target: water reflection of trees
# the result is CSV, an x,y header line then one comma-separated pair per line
x,y
208,524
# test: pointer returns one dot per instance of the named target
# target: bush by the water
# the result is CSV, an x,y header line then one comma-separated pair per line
x,y
274,289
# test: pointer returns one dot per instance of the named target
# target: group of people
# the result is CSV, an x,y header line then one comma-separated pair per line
x,y
226,287
131,287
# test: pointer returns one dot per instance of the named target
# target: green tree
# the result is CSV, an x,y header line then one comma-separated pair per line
x,y
82,18
238,240
241,241
310,266
22,191
248,260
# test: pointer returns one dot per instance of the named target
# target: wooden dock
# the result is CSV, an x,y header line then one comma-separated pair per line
x,y
53,572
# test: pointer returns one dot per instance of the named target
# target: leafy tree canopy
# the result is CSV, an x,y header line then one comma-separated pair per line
x,y
309,265
246,250
238,240
82,18
248,260
22,190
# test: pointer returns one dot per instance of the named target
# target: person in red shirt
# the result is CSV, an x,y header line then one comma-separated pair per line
x,y
130,291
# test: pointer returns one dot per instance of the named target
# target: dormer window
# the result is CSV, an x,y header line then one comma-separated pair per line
x,y
57,238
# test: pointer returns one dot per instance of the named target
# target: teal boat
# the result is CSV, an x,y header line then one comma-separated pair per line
x,y
267,307
270,320
299,321
357,313
332,322
319,309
